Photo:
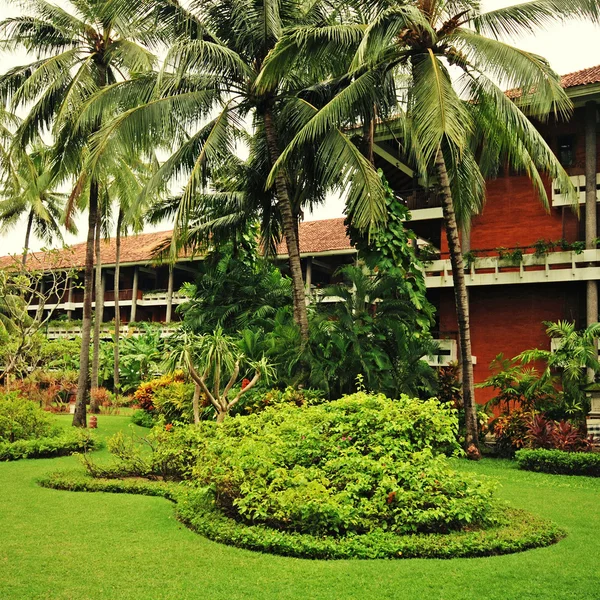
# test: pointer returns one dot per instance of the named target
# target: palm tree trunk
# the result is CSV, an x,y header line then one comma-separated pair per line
x,y
462,308
83,382
27,236
98,310
289,231
116,381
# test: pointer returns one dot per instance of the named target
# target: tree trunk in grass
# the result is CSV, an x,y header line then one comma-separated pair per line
x,y
116,382
97,312
83,382
289,230
462,308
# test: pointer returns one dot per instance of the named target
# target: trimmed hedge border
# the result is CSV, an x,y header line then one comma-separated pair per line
x,y
518,531
49,447
558,462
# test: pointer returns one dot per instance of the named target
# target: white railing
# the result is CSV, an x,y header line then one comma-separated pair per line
x,y
559,199
553,267
106,331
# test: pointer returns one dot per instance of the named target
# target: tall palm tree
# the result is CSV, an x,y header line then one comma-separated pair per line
x,y
77,52
447,68
204,97
31,192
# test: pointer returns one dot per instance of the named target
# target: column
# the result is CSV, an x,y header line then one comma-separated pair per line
x,y
590,210
308,278
170,296
134,293
70,298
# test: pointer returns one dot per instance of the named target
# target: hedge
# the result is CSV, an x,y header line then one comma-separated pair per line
x,y
48,447
559,462
518,530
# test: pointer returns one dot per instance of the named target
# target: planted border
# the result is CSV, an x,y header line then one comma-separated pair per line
x,y
48,447
518,530
558,462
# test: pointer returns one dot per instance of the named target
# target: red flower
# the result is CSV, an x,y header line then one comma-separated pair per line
x,y
245,383
168,426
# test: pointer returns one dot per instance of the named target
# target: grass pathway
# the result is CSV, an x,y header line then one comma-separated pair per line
x,y
79,546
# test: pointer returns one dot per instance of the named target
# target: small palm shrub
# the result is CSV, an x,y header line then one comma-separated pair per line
x,y
349,466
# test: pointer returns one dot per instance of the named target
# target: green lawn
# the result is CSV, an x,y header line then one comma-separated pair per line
x,y
77,546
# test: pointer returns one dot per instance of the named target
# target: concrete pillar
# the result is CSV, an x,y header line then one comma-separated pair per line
x,y
70,298
465,242
308,278
134,293
170,296
591,230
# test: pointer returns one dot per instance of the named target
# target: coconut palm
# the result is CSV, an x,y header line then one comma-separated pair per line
x,y
31,193
77,51
447,68
205,96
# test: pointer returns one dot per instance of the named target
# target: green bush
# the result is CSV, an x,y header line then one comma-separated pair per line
x,y
21,419
559,462
515,531
143,418
174,402
350,466
45,447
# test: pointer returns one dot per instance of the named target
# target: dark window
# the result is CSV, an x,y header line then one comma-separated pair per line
x,y
566,150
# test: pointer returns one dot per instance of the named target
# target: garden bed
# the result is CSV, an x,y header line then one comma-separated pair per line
x,y
515,531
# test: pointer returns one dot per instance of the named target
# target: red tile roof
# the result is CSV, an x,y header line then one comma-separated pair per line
x,y
583,77
315,237
570,80
320,236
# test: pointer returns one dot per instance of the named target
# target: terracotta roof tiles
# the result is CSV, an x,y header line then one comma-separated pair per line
x,y
315,237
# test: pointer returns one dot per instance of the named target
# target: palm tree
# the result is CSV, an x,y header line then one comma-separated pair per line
x,y
31,193
77,52
447,68
203,98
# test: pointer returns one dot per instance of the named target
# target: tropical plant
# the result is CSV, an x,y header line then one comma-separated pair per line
x,y
235,291
402,66
77,52
213,76
575,351
373,329
32,193
215,364
141,357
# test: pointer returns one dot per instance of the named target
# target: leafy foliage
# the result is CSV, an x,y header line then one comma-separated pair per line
x,y
62,444
352,465
21,419
559,462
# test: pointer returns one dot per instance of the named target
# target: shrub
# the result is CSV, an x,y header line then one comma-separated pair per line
x,y
559,462
515,531
45,447
21,419
350,466
174,402
260,398
144,394
530,430
142,418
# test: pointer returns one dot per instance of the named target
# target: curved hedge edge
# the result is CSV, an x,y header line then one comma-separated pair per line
x,y
63,444
558,462
520,531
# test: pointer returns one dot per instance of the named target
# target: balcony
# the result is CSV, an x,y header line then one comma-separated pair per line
x,y
422,204
492,270
559,199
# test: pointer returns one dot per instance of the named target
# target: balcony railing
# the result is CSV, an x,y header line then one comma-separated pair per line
x,y
422,204
493,270
559,199
107,331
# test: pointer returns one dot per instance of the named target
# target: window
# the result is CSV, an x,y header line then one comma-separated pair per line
x,y
566,150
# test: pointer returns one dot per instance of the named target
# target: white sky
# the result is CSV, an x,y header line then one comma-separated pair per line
x,y
569,47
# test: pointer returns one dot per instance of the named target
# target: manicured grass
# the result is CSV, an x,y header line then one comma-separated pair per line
x,y
71,545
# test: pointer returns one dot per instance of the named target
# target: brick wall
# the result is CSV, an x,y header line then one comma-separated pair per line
x,y
509,319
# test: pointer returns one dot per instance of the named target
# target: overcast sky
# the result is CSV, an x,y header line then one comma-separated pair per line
x,y
569,48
